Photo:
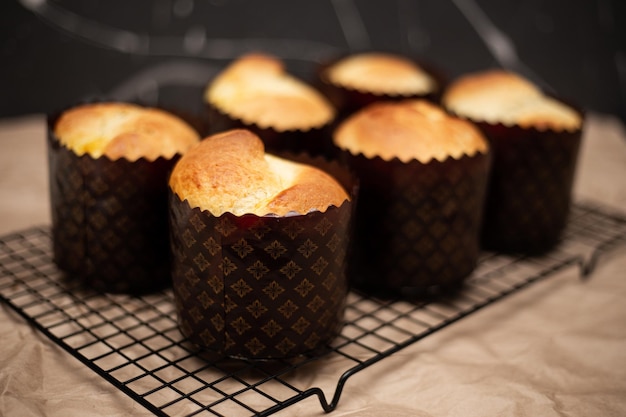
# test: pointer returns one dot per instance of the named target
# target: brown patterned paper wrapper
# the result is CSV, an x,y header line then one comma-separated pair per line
x,y
109,219
348,101
529,196
417,224
259,287
314,141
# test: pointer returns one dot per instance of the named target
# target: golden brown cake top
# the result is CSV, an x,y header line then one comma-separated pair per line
x,y
257,90
230,172
408,130
381,73
122,130
498,96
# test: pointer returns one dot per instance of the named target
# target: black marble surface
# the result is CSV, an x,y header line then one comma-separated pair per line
x,y
56,53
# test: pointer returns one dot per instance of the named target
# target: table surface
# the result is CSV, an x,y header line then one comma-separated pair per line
x,y
557,348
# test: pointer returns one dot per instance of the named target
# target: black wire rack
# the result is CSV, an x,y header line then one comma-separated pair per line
x,y
134,342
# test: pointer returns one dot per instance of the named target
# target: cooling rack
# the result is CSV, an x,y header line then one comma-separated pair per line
x,y
134,342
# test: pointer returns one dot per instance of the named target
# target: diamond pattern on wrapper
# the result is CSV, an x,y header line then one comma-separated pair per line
x,y
109,219
277,285
417,225
530,187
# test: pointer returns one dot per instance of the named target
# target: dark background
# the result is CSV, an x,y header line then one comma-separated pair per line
x,y
56,53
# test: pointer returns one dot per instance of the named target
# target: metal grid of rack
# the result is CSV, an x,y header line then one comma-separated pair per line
x,y
134,342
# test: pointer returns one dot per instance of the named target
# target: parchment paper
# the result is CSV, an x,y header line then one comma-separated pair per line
x,y
557,348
